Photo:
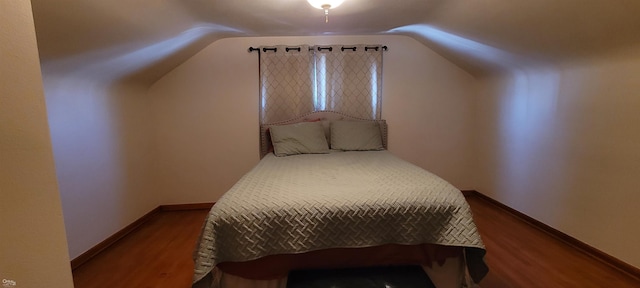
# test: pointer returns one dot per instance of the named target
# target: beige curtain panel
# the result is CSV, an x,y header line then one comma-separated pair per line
x,y
286,83
300,79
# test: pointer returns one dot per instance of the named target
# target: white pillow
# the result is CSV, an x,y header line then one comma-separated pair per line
x,y
356,136
299,138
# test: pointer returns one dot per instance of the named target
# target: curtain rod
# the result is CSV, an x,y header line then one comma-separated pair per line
x,y
320,48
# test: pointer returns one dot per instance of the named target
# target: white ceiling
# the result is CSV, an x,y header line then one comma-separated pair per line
x,y
477,35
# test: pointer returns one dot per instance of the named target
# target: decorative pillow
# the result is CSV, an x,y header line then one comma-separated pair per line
x,y
355,135
299,138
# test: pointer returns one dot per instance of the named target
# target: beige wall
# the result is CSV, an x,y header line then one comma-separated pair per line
x,y
560,144
206,114
32,241
101,135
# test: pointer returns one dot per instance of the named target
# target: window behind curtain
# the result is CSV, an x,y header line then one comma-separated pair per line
x,y
299,81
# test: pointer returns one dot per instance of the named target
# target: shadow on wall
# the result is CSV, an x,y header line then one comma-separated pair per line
x,y
475,57
147,62
101,149
560,145
521,106
101,127
531,147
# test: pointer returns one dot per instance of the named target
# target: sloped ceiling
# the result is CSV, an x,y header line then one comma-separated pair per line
x,y
144,39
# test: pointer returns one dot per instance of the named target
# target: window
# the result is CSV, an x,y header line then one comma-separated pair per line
x,y
295,81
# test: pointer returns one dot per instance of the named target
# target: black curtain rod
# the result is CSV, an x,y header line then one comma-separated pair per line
x,y
274,49
320,48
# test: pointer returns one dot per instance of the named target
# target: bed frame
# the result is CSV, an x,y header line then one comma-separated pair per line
x,y
325,116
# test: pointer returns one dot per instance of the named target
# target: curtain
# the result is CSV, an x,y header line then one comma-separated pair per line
x,y
349,80
302,79
286,82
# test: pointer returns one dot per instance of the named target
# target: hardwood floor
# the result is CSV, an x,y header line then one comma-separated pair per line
x,y
519,255
159,255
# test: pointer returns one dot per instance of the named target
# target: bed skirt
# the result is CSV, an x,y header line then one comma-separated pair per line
x,y
445,265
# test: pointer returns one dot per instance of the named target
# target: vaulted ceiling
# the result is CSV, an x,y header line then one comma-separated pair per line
x,y
478,35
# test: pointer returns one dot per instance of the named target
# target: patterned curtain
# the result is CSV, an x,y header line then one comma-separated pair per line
x,y
349,80
286,82
302,79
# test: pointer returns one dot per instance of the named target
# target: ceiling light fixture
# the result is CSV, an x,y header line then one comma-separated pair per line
x,y
325,5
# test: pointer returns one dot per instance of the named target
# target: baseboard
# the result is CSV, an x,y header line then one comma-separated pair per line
x,y
577,244
470,193
186,207
95,250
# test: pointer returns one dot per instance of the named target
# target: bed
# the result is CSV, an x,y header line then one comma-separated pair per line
x,y
305,206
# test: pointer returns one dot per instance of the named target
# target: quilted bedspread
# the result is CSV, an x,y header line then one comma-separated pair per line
x,y
308,202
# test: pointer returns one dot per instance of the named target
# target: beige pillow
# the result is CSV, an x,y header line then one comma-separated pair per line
x,y
356,135
299,138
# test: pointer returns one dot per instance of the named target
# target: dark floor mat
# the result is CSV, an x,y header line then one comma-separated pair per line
x,y
374,277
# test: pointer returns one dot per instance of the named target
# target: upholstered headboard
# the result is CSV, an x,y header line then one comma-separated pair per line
x,y
325,116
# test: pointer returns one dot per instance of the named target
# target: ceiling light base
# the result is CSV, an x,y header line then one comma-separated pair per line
x,y
325,5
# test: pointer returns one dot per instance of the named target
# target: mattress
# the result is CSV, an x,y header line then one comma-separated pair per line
x,y
302,203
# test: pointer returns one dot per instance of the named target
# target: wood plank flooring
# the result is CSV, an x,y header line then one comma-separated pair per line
x,y
158,255
519,255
